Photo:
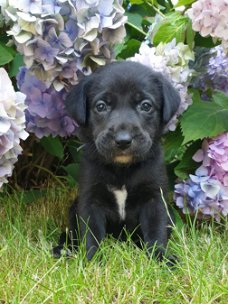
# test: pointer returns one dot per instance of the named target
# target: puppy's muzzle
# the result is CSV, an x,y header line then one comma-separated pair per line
x,y
123,140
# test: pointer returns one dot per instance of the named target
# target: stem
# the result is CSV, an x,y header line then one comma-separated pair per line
x,y
136,28
156,9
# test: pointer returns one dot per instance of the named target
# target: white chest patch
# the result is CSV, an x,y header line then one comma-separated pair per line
x,y
120,196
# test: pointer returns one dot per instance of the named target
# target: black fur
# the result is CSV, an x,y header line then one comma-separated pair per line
x,y
121,110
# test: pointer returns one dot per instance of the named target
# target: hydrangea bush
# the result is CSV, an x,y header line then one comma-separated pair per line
x,y
12,126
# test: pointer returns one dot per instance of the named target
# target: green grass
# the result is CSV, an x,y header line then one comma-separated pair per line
x,y
120,272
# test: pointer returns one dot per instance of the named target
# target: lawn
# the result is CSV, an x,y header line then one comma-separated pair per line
x,y
120,272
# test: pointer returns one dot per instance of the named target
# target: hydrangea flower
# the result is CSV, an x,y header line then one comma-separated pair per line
x,y
209,17
46,113
52,33
214,156
61,41
215,75
206,198
206,192
12,126
171,60
218,70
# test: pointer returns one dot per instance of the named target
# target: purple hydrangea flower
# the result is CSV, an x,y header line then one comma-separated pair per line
x,y
45,52
218,151
58,42
46,113
215,76
71,29
206,192
214,157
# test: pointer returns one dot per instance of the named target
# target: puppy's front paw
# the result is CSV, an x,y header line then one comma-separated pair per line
x,y
60,250
57,252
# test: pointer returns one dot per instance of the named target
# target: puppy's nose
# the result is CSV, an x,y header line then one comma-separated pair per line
x,y
123,140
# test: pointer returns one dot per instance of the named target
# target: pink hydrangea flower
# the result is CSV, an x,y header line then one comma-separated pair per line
x,y
218,151
214,156
209,17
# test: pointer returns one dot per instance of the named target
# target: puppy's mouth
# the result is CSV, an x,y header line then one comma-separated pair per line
x,y
123,158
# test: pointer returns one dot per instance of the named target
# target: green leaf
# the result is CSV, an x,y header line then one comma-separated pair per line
x,y
5,54
172,144
204,41
221,99
33,195
118,48
187,165
173,26
205,119
15,65
196,97
179,224
190,35
135,19
131,48
136,1
71,181
72,170
184,2
53,146
74,148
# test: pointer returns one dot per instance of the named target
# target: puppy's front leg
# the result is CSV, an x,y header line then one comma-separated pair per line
x,y
92,228
153,221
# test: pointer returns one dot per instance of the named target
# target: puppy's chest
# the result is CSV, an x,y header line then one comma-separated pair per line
x,y
120,197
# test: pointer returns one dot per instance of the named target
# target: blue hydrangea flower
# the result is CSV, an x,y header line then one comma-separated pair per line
x,y
208,198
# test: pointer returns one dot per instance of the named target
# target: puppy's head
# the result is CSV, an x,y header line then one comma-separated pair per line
x,y
122,108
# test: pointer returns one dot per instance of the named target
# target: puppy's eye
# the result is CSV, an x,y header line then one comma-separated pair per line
x,y
145,106
101,106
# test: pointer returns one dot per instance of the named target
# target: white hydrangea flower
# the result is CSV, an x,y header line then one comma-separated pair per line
x,y
12,126
171,60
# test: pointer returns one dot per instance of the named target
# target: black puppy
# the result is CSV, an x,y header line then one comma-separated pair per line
x,y
121,110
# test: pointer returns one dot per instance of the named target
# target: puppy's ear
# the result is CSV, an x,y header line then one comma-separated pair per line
x,y
76,102
171,100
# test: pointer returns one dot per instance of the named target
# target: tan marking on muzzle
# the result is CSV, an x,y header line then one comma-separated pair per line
x,y
123,159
